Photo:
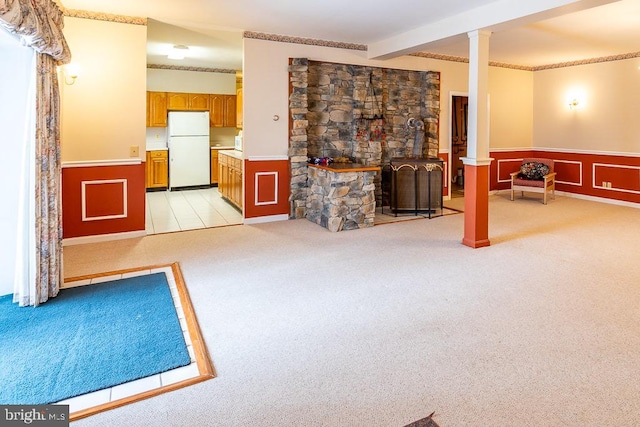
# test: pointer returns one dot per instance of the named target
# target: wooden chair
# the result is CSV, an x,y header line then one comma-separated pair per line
x,y
544,185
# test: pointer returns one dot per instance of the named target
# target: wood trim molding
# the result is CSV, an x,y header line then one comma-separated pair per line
x,y
83,196
580,172
94,163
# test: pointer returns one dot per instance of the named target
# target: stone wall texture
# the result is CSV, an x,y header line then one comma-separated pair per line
x,y
341,200
341,110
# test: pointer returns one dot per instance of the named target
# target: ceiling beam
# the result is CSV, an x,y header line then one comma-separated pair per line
x,y
495,16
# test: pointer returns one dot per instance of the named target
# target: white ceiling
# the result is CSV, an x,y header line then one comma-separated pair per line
x,y
213,29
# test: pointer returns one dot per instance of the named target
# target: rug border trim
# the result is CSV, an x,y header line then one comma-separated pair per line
x,y
203,360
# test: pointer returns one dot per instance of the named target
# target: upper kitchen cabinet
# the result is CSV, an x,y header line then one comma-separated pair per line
x,y
239,115
156,109
239,108
222,111
187,101
230,110
199,101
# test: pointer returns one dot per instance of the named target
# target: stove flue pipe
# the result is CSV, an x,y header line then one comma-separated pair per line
x,y
418,127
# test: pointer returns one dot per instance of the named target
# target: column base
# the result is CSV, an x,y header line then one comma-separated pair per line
x,y
476,206
476,243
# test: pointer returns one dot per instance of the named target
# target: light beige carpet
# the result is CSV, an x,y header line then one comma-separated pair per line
x,y
387,217
382,326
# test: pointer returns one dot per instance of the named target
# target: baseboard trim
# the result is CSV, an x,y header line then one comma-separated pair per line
x,y
592,199
103,238
269,218
599,199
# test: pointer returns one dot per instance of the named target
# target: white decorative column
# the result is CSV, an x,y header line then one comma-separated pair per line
x,y
476,164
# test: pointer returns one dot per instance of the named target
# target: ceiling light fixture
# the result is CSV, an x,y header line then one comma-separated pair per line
x,y
178,51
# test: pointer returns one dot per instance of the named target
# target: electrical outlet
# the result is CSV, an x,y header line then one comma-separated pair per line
x,y
134,151
604,184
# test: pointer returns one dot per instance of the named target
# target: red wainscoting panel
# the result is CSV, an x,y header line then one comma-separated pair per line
x,y
606,176
504,162
617,177
506,167
266,187
568,172
445,174
103,199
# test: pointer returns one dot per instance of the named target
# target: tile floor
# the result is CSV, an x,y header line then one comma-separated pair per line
x,y
169,211
101,397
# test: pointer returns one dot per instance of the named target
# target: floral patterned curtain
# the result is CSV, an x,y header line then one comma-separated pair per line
x,y
38,24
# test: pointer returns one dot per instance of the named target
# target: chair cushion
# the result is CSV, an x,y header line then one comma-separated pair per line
x,y
533,170
529,182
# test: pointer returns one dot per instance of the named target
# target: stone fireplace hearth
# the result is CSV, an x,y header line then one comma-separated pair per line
x,y
360,113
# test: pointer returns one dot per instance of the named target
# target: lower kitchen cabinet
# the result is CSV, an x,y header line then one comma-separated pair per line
x,y
214,166
157,169
230,178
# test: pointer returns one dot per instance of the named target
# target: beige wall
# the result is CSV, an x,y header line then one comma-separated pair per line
x,y
606,119
190,81
511,108
266,89
104,112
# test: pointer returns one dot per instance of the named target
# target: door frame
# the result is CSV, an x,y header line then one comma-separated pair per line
x,y
452,93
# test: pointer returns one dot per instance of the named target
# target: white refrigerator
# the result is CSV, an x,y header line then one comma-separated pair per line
x,y
189,149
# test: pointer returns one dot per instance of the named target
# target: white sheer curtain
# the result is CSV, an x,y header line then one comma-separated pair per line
x,y
24,290
38,24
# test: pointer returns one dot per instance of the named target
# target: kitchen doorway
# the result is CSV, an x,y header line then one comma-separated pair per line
x,y
170,211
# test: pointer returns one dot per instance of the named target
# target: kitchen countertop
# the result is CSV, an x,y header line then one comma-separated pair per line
x,y
234,153
165,148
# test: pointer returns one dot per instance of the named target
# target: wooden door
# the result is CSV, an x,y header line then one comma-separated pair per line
x,y
216,111
223,175
156,109
177,101
199,101
230,111
214,166
239,113
237,186
157,169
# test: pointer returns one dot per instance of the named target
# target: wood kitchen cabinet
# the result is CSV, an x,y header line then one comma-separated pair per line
x,y
157,167
188,101
222,110
230,111
223,176
214,166
199,101
230,178
177,101
156,109
239,113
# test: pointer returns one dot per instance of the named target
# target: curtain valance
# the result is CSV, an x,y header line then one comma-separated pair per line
x,y
38,24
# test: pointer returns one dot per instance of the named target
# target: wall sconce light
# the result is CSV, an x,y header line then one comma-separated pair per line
x,y
576,98
70,73
178,51
574,103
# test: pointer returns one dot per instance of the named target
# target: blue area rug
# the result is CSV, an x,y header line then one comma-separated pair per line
x,y
88,338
